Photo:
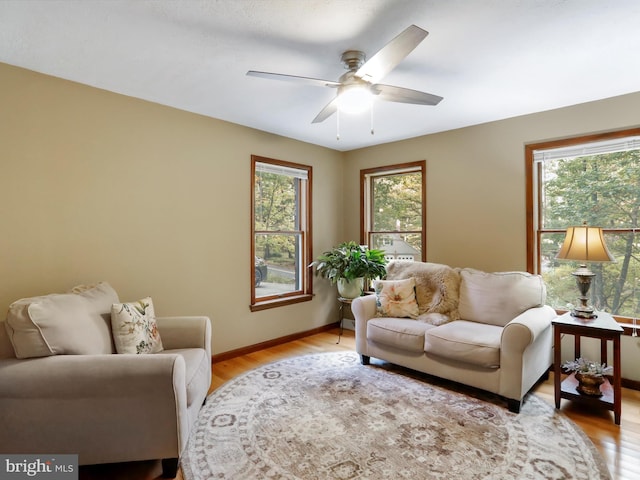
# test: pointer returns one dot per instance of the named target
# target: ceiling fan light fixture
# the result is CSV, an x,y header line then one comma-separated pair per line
x,y
358,87
355,99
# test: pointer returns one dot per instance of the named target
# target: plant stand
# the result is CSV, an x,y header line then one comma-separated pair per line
x,y
344,302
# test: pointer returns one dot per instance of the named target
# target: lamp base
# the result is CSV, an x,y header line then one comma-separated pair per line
x,y
584,312
583,278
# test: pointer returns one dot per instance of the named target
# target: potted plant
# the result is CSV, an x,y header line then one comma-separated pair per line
x,y
348,265
590,375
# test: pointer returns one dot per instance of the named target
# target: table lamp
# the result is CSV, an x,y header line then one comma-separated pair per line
x,y
584,244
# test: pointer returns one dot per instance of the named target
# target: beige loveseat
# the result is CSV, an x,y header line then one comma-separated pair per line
x,y
488,330
64,390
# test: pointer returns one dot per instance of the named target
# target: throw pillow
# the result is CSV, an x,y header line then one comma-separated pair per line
x,y
396,298
134,327
62,324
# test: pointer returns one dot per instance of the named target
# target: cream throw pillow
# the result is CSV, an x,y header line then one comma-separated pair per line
x,y
134,327
62,324
396,298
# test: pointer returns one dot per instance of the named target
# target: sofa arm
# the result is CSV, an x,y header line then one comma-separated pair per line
x,y
106,408
363,309
523,330
525,351
185,332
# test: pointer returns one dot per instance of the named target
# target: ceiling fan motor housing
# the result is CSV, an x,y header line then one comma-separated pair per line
x,y
353,59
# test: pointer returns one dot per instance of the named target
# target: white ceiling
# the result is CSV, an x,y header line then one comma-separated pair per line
x,y
489,59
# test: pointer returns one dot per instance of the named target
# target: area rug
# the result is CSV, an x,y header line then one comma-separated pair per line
x,y
326,416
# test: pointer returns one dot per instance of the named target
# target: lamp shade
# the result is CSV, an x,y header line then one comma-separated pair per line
x,y
584,244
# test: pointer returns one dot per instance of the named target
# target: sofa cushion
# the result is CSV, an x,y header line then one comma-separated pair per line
x,y
66,323
402,333
437,287
468,342
134,327
396,298
497,298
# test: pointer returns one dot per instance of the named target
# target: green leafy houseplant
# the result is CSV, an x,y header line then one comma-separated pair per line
x,y
349,261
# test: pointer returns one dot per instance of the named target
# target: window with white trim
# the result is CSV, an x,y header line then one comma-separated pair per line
x,y
393,206
281,232
593,179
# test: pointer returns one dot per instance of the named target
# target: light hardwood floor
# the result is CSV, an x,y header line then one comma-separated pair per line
x,y
619,445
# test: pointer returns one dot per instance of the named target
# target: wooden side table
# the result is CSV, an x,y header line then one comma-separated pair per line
x,y
605,328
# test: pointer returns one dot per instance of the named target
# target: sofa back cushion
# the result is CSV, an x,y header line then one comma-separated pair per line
x,y
69,323
437,286
497,298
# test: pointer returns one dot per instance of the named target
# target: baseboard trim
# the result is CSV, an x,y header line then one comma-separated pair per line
x,y
270,343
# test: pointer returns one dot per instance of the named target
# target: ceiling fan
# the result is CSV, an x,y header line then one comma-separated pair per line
x,y
363,76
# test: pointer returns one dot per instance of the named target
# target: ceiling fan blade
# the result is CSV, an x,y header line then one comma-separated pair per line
x,y
391,54
390,93
294,78
327,111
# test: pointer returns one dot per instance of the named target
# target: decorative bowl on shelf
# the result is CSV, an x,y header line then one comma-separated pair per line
x,y
589,384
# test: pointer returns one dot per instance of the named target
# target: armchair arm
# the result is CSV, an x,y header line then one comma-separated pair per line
x,y
185,332
106,408
89,376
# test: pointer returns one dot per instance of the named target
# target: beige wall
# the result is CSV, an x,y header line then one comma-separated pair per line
x,y
98,186
475,179
476,215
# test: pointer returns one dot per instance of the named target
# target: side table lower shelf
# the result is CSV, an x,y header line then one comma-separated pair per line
x,y
568,390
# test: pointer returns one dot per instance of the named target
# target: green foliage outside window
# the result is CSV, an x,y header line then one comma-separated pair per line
x,y
604,191
276,211
397,207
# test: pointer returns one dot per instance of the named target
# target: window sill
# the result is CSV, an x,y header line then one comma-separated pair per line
x,y
279,302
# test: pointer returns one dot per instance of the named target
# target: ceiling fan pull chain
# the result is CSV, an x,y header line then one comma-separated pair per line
x,y
372,118
338,124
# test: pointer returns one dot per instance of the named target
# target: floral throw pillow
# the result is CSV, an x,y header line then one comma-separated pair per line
x,y
396,298
134,327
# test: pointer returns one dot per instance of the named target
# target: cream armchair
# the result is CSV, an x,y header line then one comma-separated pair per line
x,y
105,407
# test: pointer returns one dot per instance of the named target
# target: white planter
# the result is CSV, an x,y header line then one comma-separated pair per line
x,y
350,288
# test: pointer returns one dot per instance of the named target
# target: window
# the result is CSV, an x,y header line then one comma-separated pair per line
x,y
281,233
392,210
593,179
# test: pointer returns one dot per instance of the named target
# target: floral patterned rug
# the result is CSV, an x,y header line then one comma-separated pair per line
x,y
326,416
